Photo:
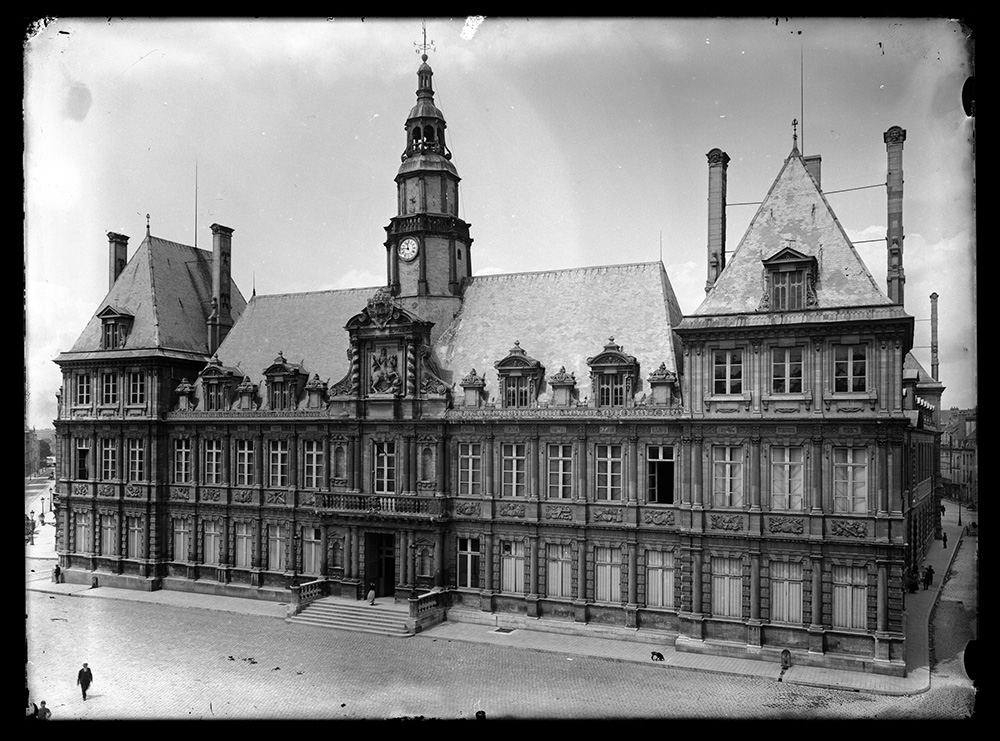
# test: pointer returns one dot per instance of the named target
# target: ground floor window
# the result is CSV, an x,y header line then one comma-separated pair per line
x,y
83,542
312,550
727,587
786,592
134,545
659,579
212,545
182,539
277,539
109,536
512,566
607,574
468,562
558,569
850,597
244,545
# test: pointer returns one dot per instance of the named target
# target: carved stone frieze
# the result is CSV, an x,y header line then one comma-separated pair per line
x,y
792,525
275,497
558,512
181,493
242,496
211,495
849,529
511,509
469,509
133,492
107,490
607,514
81,490
658,517
726,522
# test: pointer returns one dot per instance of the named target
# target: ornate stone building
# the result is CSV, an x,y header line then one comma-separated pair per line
x,y
737,480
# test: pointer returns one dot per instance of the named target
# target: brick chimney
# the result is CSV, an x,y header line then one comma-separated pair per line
x,y
718,162
895,277
220,320
117,256
812,163
934,336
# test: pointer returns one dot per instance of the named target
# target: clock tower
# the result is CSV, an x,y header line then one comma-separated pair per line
x,y
428,255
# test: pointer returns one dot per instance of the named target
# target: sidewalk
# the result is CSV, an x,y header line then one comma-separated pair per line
x,y
40,558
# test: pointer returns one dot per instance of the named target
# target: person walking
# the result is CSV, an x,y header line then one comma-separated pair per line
x,y
944,540
43,712
84,678
928,576
371,594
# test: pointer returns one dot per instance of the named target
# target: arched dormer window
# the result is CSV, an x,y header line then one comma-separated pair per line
x,y
520,378
789,281
613,376
115,327
284,383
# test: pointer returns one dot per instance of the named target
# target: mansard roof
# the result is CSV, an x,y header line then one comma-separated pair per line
x,y
794,215
166,288
563,317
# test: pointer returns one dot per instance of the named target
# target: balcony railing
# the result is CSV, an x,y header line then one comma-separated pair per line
x,y
376,504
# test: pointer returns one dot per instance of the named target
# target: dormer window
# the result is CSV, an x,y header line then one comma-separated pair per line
x,y
115,326
790,278
613,376
284,382
217,382
520,378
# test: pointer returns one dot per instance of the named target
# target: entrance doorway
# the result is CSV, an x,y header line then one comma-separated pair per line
x,y
380,563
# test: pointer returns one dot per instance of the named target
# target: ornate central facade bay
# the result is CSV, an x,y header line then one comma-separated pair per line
x,y
752,478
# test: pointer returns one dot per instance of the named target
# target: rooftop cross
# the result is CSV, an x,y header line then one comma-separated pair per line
x,y
424,46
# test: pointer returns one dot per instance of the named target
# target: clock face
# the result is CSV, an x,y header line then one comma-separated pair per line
x,y
408,248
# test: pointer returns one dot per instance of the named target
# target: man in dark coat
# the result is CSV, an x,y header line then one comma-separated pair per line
x,y
84,678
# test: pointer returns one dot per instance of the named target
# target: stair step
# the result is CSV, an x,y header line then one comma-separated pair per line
x,y
359,617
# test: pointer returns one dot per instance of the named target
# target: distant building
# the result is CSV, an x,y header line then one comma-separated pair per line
x,y
753,477
960,455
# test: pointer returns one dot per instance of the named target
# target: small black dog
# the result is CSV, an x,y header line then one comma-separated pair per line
x,y
656,656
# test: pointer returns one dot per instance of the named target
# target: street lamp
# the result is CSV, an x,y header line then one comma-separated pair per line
x,y
960,510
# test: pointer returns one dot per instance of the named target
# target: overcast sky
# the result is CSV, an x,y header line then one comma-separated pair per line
x,y
579,142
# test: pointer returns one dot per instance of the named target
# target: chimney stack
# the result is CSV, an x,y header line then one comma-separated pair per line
x,y
895,277
812,163
220,320
718,162
117,256
934,336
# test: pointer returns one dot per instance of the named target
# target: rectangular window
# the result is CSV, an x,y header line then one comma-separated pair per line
x,y
216,396
82,532
385,467
727,476
110,335
470,469
660,474
607,574
786,592
727,587
786,370
728,374
109,459
133,537
660,579
312,550
849,368
611,390
786,478
136,459
278,395
182,461
788,290
609,472
182,539
850,480
278,463
246,465
517,392
850,597
212,542
560,471
109,535
82,458
512,566
468,562
558,569
313,463
213,461
83,389
136,388
277,539
243,537
514,467
109,389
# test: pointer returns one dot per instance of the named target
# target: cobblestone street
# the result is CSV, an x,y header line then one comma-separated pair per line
x,y
231,666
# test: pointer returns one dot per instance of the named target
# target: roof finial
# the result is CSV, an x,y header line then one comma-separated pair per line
x,y
424,46
147,225
795,133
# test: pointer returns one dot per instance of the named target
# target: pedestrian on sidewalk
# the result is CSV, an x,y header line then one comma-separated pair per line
x,y
43,712
84,678
944,540
371,593
57,574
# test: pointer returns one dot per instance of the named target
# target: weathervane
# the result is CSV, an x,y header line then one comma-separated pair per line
x,y
422,48
795,134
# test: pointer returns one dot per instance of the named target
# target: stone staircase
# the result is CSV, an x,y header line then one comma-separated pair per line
x,y
384,617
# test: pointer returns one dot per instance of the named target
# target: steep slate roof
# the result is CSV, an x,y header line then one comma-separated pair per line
x,y
562,317
307,328
795,214
167,288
